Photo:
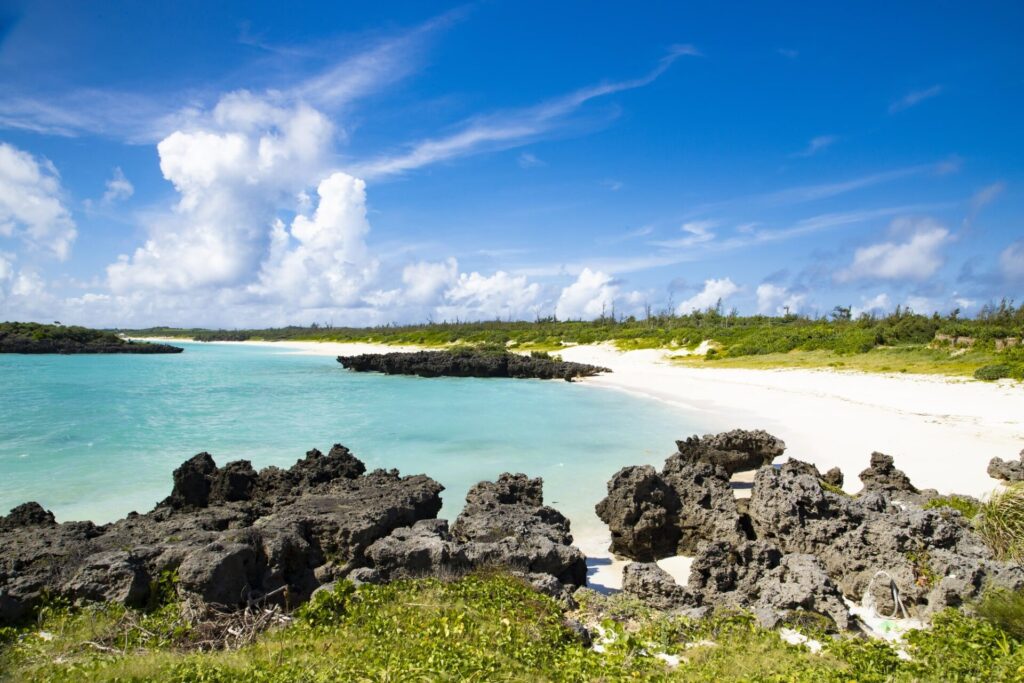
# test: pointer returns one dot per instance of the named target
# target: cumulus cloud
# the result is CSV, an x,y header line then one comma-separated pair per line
x,y
713,292
917,258
1011,262
31,207
592,294
500,295
233,169
322,261
776,299
118,187
425,282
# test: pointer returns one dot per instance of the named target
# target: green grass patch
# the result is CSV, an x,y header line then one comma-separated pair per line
x,y
1000,522
490,627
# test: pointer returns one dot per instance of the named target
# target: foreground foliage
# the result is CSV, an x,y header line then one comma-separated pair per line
x,y
1000,522
900,342
489,628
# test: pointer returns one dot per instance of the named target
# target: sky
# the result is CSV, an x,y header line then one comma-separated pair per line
x,y
249,164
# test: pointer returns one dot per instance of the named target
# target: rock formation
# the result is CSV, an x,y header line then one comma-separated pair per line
x,y
799,547
1007,470
234,536
470,363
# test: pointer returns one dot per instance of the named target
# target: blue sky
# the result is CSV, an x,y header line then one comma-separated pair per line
x,y
240,164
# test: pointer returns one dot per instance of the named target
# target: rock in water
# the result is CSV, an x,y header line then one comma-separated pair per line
x,y
469,363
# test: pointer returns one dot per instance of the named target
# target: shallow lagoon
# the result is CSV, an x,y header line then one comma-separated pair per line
x,y
94,437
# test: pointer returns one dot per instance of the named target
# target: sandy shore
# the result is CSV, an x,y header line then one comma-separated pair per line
x,y
942,432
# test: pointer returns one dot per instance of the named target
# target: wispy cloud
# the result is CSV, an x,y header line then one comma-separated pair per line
x,y
914,97
627,236
788,53
612,184
142,117
817,144
530,160
510,128
697,232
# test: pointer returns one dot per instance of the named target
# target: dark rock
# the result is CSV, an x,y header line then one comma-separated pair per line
x,y
27,515
233,535
738,450
504,524
775,586
641,511
469,363
707,505
655,587
1007,470
580,632
235,481
834,477
192,482
112,576
882,475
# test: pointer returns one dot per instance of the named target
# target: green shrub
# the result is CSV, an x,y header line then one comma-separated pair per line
x,y
1000,522
991,373
1004,609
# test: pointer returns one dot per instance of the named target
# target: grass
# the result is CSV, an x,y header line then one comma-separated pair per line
x,y
492,627
910,359
1000,522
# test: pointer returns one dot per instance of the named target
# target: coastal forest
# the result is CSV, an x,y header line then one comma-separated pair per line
x,y
987,346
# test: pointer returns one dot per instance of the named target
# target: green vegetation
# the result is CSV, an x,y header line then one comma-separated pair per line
x,y
492,627
900,342
1000,522
1005,609
56,338
968,507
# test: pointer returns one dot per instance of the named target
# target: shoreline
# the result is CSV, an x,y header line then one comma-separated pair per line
x,y
941,431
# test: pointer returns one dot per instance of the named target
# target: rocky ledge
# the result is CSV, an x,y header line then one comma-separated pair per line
x,y
799,544
470,363
237,537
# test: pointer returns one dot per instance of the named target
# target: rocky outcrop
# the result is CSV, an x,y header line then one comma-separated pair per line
x,y
470,363
1007,470
738,450
652,515
233,535
801,547
503,524
237,537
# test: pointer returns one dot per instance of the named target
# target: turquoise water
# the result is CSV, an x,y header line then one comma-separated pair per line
x,y
94,437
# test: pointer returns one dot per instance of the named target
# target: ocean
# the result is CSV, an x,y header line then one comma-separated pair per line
x,y
97,436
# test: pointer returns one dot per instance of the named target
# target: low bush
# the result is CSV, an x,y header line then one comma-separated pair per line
x,y
990,373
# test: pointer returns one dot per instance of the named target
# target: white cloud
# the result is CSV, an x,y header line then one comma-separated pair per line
x,y
592,294
31,207
987,195
878,304
914,97
714,290
915,259
426,282
529,160
775,299
816,145
1011,262
510,128
475,296
233,168
329,264
118,187
697,232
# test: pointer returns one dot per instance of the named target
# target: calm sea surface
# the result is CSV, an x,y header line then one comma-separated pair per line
x,y
94,437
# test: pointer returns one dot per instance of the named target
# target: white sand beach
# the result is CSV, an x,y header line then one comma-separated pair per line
x,y
941,431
